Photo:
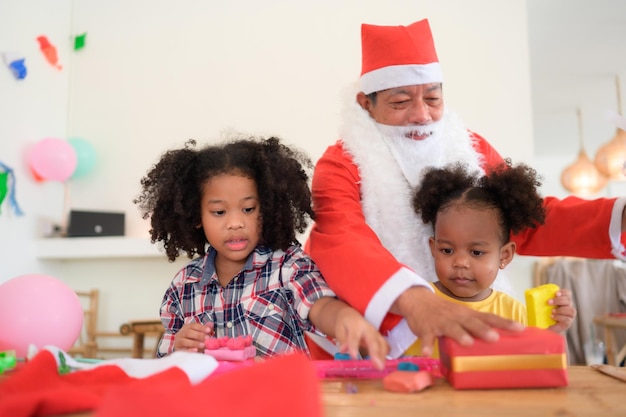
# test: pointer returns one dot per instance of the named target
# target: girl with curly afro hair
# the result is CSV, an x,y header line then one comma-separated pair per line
x,y
234,209
473,217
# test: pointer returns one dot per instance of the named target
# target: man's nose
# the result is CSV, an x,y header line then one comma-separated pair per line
x,y
419,113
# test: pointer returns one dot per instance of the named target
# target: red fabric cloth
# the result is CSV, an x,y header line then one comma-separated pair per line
x,y
282,386
37,389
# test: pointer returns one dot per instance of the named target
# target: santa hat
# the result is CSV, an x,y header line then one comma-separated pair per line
x,y
395,56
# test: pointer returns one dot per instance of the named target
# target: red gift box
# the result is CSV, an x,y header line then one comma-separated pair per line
x,y
533,358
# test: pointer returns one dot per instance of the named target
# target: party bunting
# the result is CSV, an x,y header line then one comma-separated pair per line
x,y
16,65
49,51
79,41
16,62
7,188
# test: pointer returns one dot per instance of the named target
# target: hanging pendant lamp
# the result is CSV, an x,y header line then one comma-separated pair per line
x,y
611,157
582,177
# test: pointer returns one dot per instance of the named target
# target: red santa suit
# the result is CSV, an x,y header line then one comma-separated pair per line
x,y
371,245
367,239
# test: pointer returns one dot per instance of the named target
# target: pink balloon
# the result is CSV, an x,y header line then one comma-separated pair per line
x,y
40,310
53,159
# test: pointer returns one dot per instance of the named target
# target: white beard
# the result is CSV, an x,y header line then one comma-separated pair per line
x,y
413,156
391,166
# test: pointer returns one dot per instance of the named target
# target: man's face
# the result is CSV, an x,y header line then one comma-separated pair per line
x,y
406,106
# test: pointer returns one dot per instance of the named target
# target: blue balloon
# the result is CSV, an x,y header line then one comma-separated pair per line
x,y
85,155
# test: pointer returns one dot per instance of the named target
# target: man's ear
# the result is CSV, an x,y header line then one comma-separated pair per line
x,y
363,101
507,252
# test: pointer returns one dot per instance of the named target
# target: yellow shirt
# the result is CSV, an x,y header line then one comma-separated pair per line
x,y
497,303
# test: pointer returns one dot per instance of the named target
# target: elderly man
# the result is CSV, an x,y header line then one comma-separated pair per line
x,y
368,242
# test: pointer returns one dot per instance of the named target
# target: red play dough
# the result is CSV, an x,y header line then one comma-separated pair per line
x,y
408,381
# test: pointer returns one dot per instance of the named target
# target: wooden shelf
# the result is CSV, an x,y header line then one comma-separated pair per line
x,y
96,247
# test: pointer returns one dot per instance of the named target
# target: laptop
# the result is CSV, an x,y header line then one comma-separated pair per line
x,y
95,223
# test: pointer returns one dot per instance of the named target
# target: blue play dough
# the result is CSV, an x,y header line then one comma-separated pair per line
x,y
408,366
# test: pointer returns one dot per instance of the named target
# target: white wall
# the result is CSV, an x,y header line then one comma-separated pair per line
x,y
155,73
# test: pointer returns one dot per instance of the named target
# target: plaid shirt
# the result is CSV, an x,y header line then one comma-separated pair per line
x,y
269,299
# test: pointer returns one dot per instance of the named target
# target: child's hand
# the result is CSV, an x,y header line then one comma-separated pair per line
x,y
564,312
191,336
353,331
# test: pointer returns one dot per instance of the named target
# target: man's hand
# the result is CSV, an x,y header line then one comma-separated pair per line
x,y
430,316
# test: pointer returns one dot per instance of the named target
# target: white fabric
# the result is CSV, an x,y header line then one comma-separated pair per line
x,y
324,343
399,282
400,338
197,366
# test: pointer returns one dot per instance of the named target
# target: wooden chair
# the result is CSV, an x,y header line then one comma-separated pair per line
x,y
87,344
139,329
613,324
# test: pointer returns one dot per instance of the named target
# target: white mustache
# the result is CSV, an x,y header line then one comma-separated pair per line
x,y
403,131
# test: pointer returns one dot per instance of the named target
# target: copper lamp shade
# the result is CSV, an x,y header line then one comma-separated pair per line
x,y
582,177
611,157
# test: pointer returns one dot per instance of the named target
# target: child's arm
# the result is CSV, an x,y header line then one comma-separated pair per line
x,y
191,336
564,311
336,319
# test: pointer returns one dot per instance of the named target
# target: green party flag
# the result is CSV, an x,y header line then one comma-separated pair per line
x,y
79,41
7,187
4,187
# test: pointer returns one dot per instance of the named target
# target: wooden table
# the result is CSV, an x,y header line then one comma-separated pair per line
x,y
590,393
139,329
611,323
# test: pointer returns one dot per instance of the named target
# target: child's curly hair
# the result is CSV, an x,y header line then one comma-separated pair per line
x,y
172,189
511,190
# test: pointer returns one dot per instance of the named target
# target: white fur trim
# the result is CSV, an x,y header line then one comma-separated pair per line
x,y
615,228
400,75
399,282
